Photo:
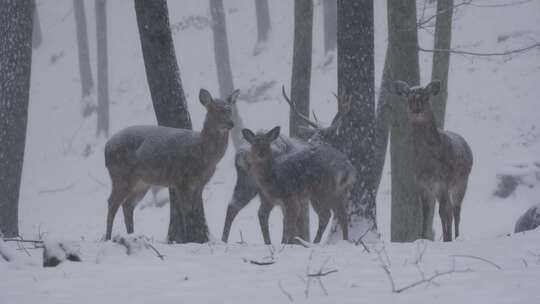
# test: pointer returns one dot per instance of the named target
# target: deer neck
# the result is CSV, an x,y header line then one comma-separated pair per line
x,y
263,170
425,133
214,141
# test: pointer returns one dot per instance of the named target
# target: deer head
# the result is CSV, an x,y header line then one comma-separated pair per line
x,y
219,112
418,99
260,142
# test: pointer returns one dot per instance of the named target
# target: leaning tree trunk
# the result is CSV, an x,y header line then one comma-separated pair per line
x,y
223,65
16,61
168,99
330,25
441,60
87,83
300,83
407,217
36,32
263,25
355,39
102,69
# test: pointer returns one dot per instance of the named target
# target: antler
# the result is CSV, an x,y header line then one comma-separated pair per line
x,y
293,107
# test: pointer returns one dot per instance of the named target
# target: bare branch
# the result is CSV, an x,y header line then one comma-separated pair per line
x,y
159,255
295,110
258,263
23,240
58,189
427,280
469,53
477,258
500,4
321,273
288,295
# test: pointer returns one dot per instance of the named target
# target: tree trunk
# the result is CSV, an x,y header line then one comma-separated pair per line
x,y
169,102
16,62
355,39
301,82
406,219
263,25
102,69
223,65
330,25
87,82
441,60
36,32
382,124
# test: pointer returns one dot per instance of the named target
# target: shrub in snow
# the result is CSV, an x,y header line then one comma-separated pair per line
x,y
526,174
55,252
529,220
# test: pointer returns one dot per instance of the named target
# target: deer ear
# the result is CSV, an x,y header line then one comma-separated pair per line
x,y
434,87
273,134
248,135
400,88
204,97
232,98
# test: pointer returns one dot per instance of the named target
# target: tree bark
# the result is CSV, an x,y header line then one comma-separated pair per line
x,y
406,218
102,69
382,124
355,39
37,37
301,83
263,25
330,24
223,65
87,82
169,103
16,62
441,60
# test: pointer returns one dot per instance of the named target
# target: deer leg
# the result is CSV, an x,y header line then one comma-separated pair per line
x,y
428,208
290,220
341,215
129,206
445,212
263,214
324,217
119,192
457,200
243,194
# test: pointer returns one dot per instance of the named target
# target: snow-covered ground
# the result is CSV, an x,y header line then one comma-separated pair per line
x,y
493,103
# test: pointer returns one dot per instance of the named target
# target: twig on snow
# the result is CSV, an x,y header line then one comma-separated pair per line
x,y
288,295
477,258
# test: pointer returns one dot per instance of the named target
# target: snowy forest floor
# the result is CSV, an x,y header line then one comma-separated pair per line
x,y
492,102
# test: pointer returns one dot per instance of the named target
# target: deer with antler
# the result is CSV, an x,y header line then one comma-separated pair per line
x,y
246,187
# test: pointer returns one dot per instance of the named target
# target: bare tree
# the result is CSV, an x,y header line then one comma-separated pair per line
x,y
330,24
16,62
301,83
87,82
168,99
441,60
223,65
102,69
263,25
407,218
355,39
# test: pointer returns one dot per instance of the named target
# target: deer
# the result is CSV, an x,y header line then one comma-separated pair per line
x,y
441,160
318,173
139,157
246,189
